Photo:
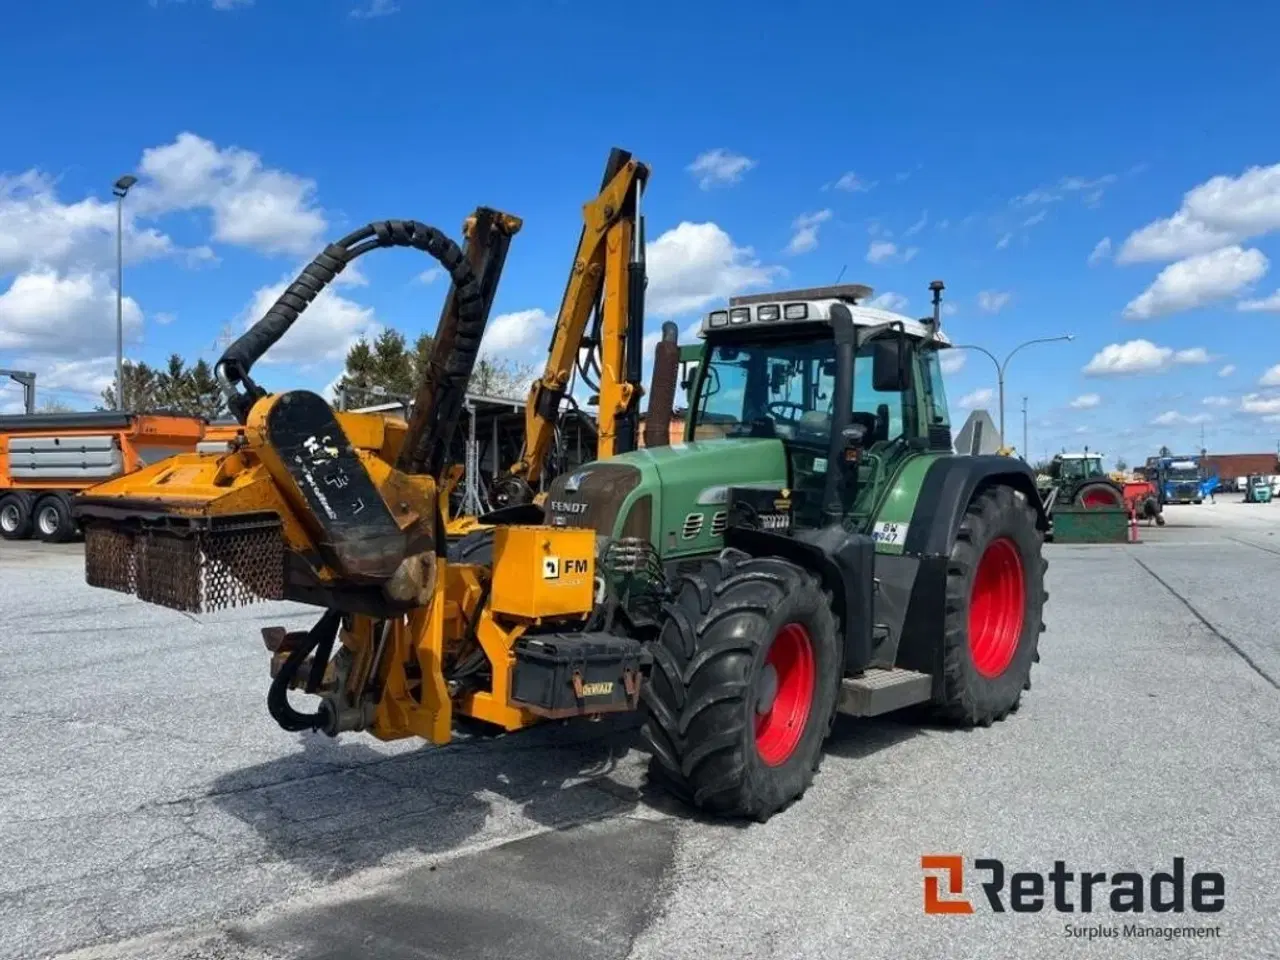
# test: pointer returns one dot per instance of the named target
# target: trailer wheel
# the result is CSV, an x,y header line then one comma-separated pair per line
x,y
53,520
15,517
994,608
743,690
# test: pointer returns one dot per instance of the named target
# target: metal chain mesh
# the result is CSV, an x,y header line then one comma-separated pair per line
x,y
198,572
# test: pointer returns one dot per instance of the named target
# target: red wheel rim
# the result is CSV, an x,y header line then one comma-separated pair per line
x,y
997,606
1098,499
780,726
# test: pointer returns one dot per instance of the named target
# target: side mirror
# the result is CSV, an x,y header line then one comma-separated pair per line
x,y
890,369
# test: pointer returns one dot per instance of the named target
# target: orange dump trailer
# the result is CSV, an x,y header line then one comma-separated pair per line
x,y
47,458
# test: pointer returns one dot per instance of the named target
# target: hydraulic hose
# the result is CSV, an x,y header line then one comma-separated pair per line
x,y
233,367
322,634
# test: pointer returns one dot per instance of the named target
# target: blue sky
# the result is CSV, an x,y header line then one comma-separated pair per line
x,y
993,149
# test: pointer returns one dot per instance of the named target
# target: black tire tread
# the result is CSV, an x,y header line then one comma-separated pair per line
x,y
696,701
967,701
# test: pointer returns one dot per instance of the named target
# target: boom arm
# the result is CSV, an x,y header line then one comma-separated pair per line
x,y
610,256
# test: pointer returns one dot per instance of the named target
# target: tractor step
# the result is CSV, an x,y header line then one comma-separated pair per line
x,y
883,691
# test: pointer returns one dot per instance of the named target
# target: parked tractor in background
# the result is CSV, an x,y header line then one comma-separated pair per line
x,y
1079,480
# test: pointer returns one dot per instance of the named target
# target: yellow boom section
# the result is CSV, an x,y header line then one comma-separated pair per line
x,y
601,262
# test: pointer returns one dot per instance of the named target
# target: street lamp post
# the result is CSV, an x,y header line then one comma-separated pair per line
x,y
1002,366
119,190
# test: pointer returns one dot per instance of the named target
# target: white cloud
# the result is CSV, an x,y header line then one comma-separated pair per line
x,y
77,383
1140,356
164,319
231,4
1090,190
1086,401
693,264
1004,241
719,167
883,251
430,275
1217,401
322,334
1172,418
850,182
1271,378
1192,355
252,205
978,398
1197,281
1258,405
67,315
889,300
1227,370
1101,251
37,230
919,225
1035,218
805,237
1269,304
374,8
1171,239
515,333
993,301
1223,210
952,361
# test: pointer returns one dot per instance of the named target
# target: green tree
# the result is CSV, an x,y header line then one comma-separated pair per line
x,y
174,388
54,406
1122,465
386,369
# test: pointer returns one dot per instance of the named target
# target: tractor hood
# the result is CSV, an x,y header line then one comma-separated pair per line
x,y
672,496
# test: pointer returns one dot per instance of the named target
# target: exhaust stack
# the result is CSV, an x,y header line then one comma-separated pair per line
x,y
662,388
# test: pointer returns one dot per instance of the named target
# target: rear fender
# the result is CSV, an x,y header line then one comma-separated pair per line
x,y
950,485
843,561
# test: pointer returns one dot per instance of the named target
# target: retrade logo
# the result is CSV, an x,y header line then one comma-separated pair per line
x,y
951,869
1178,890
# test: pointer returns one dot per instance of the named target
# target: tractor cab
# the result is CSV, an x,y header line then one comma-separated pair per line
x,y
1077,467
850,390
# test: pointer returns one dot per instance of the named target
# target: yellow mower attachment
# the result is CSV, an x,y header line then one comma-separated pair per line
x,y
308,502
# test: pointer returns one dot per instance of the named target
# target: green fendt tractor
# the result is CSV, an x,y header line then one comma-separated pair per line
x,y
814,546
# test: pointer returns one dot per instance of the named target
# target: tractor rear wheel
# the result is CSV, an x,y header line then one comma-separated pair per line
x,y
994,609
1095,496
744,685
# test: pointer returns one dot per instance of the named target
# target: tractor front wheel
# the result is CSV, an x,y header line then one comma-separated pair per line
x,y
995,604
744,685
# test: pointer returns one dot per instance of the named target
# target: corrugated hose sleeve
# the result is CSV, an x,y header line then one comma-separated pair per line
x,y
234,365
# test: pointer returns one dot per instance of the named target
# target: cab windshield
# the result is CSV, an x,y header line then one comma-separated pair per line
x,y
785,389
1184,473
1082,468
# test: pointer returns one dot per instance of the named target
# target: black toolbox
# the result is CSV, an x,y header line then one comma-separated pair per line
x,y
567,675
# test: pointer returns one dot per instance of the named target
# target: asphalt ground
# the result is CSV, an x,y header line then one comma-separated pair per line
x,y
149,807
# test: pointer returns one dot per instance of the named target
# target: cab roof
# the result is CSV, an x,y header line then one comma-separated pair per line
x,y
812,305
